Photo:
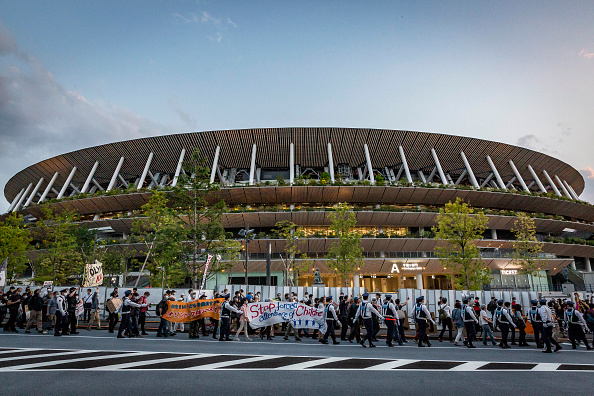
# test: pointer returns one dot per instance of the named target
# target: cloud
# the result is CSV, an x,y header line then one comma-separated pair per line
x,y
588,172
40,118
218,38
586,54
230,22
185,117
204,17
533,142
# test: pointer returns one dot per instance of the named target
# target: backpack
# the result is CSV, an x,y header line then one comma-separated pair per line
x,y
589,318
162,308
457,316
442,314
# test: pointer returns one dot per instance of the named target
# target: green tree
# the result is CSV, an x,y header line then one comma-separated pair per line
x,y
198,203
163,233
291,233
346,253
526,246
15,240
60,258
459,227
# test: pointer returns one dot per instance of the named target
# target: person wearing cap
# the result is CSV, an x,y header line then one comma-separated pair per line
x,y
365,311
536,322
390,317
547,323
421,317
376,320
330,316
226,309
356,325
125,308
469,322
504,320
574,321
61,314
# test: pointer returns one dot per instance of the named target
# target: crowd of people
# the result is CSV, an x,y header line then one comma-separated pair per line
x,y
468,321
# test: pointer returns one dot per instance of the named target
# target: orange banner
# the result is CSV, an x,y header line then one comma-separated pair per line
x,y
179,311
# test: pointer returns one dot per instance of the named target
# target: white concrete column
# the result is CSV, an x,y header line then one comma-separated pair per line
x,y
89,178
493,233
567,194
215,164
572,191
469,169
405,164
49,187
292,163
536,179
356,280
553,186
369,166
496,173
144,171
178,168
115,174
68,180
444,181
28,202
588,264
518,176
419,281
572,265
253,165
15,200
566,188
22,198
330,163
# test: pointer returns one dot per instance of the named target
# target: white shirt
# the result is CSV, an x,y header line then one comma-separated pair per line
x,y
446,308
391,310
470,311
61,304
483,318
578,315
332,311
427,313
547,316
366,309
504,312
230,307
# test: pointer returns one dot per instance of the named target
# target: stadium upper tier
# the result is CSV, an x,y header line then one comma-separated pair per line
x,y
406,167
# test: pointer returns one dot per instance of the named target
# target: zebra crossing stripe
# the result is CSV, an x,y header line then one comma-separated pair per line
x,y
140,365
55,362
468,366
546,367
40,354
313,363
392,365
222,365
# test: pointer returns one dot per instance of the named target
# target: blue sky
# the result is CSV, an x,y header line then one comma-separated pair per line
x,y
74,74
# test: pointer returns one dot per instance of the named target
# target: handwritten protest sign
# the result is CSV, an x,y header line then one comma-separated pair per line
x,y
93,274
301,316
179,311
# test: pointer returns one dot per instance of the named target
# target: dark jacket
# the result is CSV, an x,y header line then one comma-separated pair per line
x,y
35,303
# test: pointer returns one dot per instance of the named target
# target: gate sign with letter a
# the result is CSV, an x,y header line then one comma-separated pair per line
x,y
93,274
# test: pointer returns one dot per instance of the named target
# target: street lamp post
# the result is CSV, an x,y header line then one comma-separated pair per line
x,y
249,236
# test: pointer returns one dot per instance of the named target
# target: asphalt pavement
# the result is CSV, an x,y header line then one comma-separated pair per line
x,y
96,362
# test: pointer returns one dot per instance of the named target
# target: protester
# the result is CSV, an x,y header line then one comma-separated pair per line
x,y
94,310
486,323
35,306
143,312
243,321
113,316
161,310
445,316
61,327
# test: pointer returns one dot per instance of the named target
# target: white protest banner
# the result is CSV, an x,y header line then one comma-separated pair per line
x,y
80,308
300,316
208,258
93,274
48,284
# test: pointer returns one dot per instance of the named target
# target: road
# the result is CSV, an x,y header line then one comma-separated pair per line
x,y
98,363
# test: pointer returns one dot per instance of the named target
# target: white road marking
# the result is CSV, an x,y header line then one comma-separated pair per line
x,y
45,364
39,355
468,366
312,363
142,363
546,367
213,366
392,365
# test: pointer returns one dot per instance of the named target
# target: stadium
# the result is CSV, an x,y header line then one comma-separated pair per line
x,y
395,181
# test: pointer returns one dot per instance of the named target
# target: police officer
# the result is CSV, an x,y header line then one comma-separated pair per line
x,y
343,309
226,309
330,317
356,324
469,321
573,321
365,311
547,323
72,302
504,321
391,316
61,314
536,322
125,309
421,317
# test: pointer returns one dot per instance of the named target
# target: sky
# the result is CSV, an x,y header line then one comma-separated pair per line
x,y
75,74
